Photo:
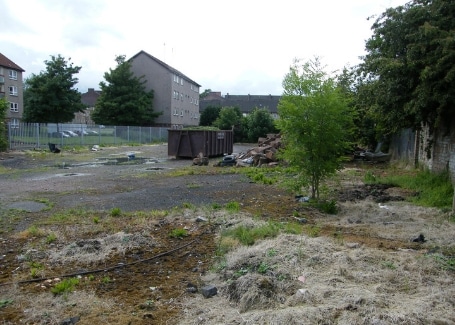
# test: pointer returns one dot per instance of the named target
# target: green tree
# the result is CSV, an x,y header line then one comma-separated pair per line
x,y
409,69
258,124
209,115
50,96
3,135
315,122
230,118
205,93
124,99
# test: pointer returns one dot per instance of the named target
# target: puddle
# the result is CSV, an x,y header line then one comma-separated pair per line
x,y
127,161
156,168
111,161
29,206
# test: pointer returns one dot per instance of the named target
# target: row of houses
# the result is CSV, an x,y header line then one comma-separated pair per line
x,y
175,94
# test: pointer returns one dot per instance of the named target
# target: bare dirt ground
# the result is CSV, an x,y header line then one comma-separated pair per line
x,y
361,266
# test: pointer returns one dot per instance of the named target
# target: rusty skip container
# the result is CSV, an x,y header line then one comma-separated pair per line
x,y
189,143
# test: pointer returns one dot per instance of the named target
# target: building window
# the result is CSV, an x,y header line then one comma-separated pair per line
x,y
181,97
14,123
13,74
181,113
14,107
12,90
181,81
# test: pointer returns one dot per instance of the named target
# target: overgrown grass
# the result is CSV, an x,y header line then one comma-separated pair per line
x,y
249,235
178,233
432,189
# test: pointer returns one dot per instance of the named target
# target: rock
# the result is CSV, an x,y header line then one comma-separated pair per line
x,y
70,321
191,288
209,291
419,239
352,245
201,219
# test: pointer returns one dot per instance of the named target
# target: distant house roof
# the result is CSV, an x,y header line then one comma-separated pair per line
x,y
89,98
246,103
165,65
5,62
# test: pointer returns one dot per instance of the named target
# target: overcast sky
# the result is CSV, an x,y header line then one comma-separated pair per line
x,y
237,47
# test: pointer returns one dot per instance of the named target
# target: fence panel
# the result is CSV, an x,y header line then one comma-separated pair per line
x,y
39,135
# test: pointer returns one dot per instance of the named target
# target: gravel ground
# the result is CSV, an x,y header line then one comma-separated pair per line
x,y
105,179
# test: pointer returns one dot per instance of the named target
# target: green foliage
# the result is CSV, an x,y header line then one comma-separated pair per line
x,y
263,268
124,99
259,123
205,93
230,118
248,235
313,230
116,212
5,302
3,135
106,279
389,265
178,233
315,122
51,238
50,96
209,115
408,72
232,207
326,206
432,189
65,286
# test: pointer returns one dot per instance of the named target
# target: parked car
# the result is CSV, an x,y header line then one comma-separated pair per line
x,y
80,133
59,134
70,133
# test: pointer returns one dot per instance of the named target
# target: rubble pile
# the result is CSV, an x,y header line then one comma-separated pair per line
x,y
265,154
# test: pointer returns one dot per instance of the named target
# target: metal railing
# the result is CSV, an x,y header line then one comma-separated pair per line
x,y
39,135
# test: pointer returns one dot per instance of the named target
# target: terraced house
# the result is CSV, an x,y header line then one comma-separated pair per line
x,y
175,94
11,88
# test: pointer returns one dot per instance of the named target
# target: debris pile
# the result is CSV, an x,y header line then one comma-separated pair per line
x,y
265,154
201,160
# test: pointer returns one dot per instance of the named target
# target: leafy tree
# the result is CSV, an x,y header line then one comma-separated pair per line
x,y
3,136
315,122
230,118
209,115
205,93
258,123
409,69
50,96
124,99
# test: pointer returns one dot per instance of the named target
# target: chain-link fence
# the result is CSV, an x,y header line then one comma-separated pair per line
x,y
39,135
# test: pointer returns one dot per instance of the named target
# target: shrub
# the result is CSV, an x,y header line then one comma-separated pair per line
x,y
65,286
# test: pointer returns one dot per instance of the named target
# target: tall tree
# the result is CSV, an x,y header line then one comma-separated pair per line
x,y
209,115
409,69
124,99
315,122
258,123
3,135
50,96
231,118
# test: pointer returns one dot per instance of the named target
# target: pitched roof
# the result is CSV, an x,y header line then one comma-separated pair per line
x,y
165,65
5,62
